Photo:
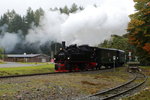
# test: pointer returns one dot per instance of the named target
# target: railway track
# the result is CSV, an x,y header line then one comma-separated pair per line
x,y
25,75
13,76
114,93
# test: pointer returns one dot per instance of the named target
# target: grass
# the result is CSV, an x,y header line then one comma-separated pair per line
x,y
144,94
89,83
27,70
2,63
33,62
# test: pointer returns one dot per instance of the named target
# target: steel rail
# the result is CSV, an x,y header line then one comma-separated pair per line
x,y
125,91
117,87
111,89
25,75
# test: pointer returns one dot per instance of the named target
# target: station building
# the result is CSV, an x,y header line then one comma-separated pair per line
x,y
27,58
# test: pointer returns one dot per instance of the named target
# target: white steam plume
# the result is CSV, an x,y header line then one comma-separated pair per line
x,y
94,25
9,41
90,26
48,30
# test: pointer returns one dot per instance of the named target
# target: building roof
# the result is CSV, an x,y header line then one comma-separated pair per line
x,y
22,55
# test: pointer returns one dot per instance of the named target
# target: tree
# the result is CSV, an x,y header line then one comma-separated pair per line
x,y
30,18
119,42
1,53
4,20
81,8
64,10
16,24
54,9
37,15
13,20
73,8
139,30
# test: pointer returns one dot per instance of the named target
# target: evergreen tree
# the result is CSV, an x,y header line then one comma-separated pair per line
x,y
38,13
73,8
11,14
54,9
30,18
81,8
1,53
65,10
4,20
139,30
16,24
119,42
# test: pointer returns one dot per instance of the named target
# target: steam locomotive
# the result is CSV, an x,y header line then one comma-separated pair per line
x,y
84,57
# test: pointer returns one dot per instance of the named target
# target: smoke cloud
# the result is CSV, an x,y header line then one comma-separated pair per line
x,y
49,28
9,41
95,24
91,26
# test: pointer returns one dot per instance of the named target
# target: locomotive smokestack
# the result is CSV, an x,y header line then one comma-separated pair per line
x,y
63,45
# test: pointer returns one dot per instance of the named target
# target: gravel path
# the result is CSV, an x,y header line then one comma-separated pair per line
x,y
14,64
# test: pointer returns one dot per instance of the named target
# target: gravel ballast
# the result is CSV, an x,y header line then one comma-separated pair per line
x,y
61,86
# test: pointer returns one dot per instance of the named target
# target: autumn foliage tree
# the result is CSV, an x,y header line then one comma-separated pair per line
x,y
139,30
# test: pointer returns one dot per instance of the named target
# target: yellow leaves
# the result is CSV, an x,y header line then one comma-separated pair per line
x,y
147,47
139,43
147,13
130,27
134,41
137,22
132,38
137,30
147,35
140,0
148,4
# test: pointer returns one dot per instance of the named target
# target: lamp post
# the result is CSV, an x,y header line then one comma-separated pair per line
x,y
114,59
25,57
130,58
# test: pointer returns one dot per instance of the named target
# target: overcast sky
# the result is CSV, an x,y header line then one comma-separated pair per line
x,y
20,6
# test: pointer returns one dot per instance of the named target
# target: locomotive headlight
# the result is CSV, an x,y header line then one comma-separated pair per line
x,y
68,58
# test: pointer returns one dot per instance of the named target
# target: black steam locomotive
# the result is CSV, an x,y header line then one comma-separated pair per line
x,y
84,57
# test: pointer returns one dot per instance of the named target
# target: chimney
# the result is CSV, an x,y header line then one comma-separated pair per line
x,y
63,45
